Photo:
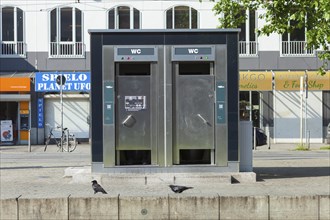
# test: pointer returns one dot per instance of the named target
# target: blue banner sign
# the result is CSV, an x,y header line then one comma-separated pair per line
x,y
75,81
40,112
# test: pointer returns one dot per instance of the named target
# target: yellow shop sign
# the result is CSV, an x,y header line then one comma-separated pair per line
x,y
255,81
291,80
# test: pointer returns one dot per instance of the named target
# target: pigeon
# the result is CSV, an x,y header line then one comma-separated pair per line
x,y
179,189
98,188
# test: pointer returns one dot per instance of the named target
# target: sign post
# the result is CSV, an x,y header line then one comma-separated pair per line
x,y
301,109
60,80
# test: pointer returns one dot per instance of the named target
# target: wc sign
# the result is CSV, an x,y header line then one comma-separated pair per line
x,y
135,51
193,51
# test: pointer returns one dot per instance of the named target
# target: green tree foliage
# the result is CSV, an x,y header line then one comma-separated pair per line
x,y
280,15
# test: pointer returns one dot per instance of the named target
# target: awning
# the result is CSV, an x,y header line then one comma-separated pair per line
x,y
14,84
14,97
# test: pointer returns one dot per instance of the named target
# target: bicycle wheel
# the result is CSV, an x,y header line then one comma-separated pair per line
x,y
72,143
58,144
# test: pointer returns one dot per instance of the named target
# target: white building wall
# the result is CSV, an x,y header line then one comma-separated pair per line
x,y
95,17
267,43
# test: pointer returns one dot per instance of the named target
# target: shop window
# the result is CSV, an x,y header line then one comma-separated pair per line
x,y
181,17
12,32
123,17
66,39
249,104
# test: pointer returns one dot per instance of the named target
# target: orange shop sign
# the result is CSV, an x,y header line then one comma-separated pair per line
x,y
14,84
255,81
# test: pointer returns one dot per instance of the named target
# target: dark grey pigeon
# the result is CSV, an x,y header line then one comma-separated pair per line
x,y
98,188
179,189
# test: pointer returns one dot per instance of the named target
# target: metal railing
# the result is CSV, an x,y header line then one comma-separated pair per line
x,y
13,49
67,50
296,48
248,48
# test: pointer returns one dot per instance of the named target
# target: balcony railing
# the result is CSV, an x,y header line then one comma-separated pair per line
x,y
67,50
13,49
296,48
249,49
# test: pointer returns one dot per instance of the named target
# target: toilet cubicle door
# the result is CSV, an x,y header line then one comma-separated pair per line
x,y
133,118
194,124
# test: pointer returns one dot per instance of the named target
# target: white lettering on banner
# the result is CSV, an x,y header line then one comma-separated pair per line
x,y
66,87
136,51
72,77
193,51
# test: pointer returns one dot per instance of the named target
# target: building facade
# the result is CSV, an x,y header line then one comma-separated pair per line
x,y
52,37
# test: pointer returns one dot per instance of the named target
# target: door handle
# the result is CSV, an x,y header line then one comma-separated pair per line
x,y
204,120
129,121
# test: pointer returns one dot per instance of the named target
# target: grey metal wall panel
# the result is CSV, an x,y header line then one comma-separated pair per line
x,y
108,75
297,63
168,69
221,132
249,63
271,60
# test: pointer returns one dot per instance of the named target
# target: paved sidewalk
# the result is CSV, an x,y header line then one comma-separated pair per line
x,y
280,171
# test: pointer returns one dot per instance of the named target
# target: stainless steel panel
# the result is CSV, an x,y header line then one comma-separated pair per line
x,y
194,112
133,118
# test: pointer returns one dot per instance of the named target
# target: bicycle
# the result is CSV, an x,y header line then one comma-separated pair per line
x,y
68,142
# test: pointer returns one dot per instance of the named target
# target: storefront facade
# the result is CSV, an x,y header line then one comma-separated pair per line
x,y
276,102
15,115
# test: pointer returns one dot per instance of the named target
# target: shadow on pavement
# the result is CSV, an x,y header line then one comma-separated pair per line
x,y
290,172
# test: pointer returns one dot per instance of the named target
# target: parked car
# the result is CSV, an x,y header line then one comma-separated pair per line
x,y
261,137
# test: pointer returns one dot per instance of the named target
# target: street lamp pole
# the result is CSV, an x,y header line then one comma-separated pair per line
x,y
61,95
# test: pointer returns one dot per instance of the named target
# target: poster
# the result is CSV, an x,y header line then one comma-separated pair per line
x,y
135,103
6,130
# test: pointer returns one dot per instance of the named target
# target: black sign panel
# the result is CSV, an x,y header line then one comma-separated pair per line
x,y
193,53
134,53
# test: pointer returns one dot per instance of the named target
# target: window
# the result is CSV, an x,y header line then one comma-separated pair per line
x,y
181,17
247,37
12,32
66,33
294,43
249,103
123,17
